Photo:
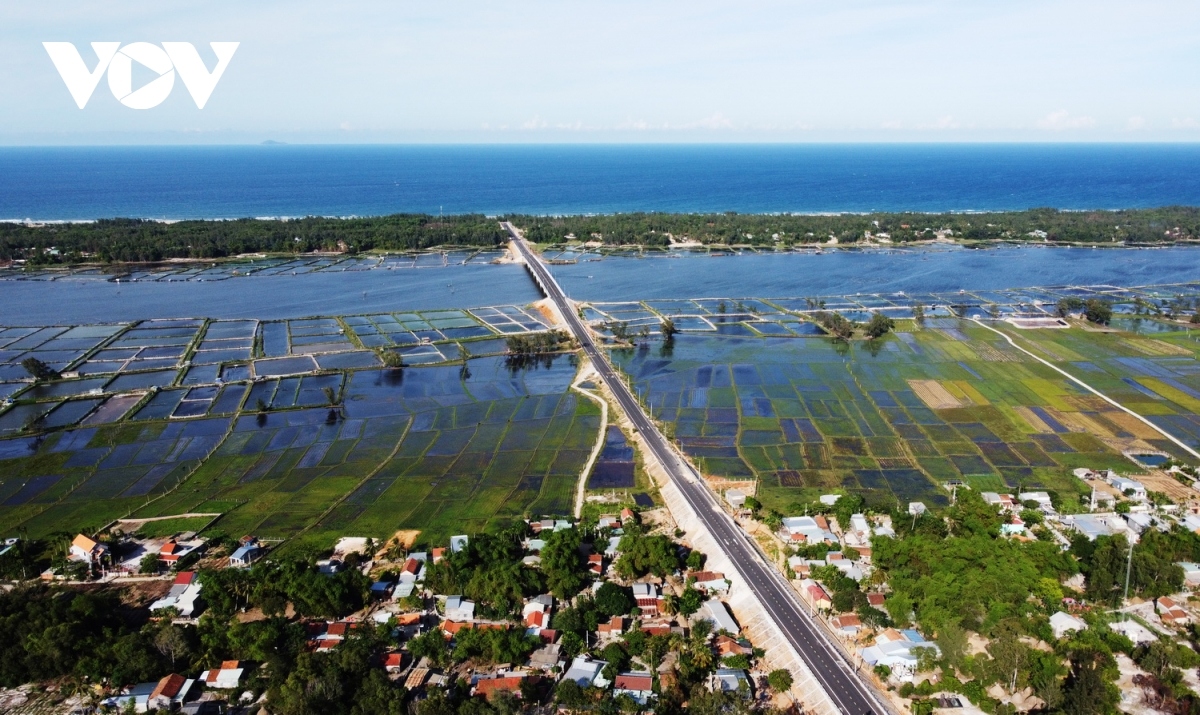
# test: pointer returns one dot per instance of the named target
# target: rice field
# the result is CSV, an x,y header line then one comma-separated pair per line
x,y
897,418
293,428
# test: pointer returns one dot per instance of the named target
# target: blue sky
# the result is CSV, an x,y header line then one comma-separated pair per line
x,y
617,71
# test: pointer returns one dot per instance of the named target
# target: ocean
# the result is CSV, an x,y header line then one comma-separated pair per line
x,y
81,183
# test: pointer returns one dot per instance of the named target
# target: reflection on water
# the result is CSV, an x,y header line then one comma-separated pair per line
x,y
846,272
67,302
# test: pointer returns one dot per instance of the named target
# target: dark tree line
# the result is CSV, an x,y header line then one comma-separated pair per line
x,y
1158,225
136,240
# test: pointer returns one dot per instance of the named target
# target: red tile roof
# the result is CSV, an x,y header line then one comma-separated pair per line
x,y
337,629
491,686
629,681
185,578
169,686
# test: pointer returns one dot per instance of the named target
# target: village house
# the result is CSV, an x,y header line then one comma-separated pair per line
x,y
847,624
459,609
637,685
732,680
587,672
710,581
807,530
1191,573
1001,501
1170,613
246,554
393,662
647,597
184,596
815,595
491,687
728,645
1129,487
87,550
1063,623
172,551
595,564
536,613
715,612
896,649
612,629
171,692
226,677
1042,499
547,658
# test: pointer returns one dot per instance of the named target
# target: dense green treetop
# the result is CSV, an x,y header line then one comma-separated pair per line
x,y
132,240
652,229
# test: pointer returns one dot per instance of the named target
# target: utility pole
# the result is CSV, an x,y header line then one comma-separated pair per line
x,y
1128,569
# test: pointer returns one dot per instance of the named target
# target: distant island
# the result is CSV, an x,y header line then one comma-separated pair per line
x,y
141,240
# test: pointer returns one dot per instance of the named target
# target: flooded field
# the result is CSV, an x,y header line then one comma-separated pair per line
x,y
294,426
752,395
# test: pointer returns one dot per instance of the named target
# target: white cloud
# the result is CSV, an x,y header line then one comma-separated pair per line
x,y
1185,123
1135,123
345,127
1062,120
716,121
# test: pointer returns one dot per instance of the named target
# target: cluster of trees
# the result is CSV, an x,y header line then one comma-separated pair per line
x,y
1153,571
93,637
530,344
489,571
272,585
954,575
643,554
836,324
958,568
841,327
483,645
1096,310
136,240
1158,225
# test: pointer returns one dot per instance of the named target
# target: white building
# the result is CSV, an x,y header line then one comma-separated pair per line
x,y
1129,487
459,609
715,611
1042,499
1063,623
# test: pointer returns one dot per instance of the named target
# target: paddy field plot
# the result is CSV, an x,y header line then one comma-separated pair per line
x,y
290,427
896,418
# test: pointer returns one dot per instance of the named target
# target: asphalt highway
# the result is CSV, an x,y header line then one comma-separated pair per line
x,y
847,691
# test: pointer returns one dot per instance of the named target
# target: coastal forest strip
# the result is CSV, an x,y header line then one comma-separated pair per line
x,y
141,240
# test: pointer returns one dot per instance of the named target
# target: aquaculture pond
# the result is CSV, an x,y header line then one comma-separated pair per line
x,y
290,426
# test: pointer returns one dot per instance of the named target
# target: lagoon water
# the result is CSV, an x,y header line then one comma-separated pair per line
x,y
87,300
835,272
845,272
61,183
80,183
